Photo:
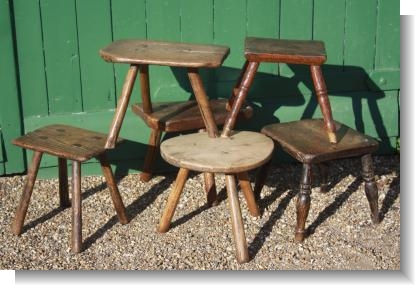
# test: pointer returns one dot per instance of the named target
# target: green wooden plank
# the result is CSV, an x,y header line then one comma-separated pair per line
x,y
296,24
263,21
31,60
360,33
128,21
97,76
328,26
12,157
163,23
388,35
196,21
61,55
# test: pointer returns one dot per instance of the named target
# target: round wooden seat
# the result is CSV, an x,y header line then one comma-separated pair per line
x,y
240,152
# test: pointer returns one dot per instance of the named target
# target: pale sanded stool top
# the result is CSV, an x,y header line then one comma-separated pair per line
x,y
241,151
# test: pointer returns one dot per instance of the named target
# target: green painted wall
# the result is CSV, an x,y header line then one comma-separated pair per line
x,y
51,70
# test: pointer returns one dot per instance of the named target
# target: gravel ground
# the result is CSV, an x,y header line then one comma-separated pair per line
x,y
342,236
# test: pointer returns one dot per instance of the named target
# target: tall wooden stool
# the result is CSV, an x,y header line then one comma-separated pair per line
x,y
315,140
166,116
233,154
78,145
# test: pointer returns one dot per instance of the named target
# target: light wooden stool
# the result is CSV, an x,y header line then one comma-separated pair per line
x,y
78,145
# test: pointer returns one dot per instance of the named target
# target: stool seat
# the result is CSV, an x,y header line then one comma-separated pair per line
x,y
64,141
164,53
306,140
184,116
285,51
240,152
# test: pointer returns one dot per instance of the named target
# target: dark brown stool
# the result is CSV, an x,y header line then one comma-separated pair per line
x,y
308,141
166,116
78,145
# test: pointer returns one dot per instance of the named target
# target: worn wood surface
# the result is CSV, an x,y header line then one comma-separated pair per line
x,y
64,201
76,239
64,141
184,116
306,140
240,152
285,51
164,53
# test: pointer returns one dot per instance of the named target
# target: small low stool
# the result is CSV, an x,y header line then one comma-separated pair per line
x,y
233,156
306,141
76,144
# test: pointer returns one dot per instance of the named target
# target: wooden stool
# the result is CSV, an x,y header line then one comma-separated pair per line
x,y
306,141
234,155
75,144
167,116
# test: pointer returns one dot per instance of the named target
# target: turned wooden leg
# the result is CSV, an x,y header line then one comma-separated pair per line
x,y
324,177
76,207
242,254
371,189
64,201
150,159
115,194
21,211
303,202
323,101
210,189
245,185
173,200
236,88
260,178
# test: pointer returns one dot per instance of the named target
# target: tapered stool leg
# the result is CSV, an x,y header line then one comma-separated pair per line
x,y
236,219
371,189
173,200
210,189
303,202
76,207
150,159
246,188
260,178
21,211
64,201
115,194
324,177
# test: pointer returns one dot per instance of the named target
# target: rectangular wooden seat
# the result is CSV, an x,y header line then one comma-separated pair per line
x,y
184,116
165,53
78,145
285,51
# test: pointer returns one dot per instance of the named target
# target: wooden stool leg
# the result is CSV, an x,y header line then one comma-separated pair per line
x,y
324,177
76,207
64,201
245,185
323,101
173,200
236,88
150,159
210,189
260,178
242,254
303,202
115,194
21,211
371,189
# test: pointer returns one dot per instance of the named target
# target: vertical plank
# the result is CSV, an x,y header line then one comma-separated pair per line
x,y
61,55
264,21
31,60
296,24
329,17
128,22
97,76
387,36
360,33
10,117
196,24
163,23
